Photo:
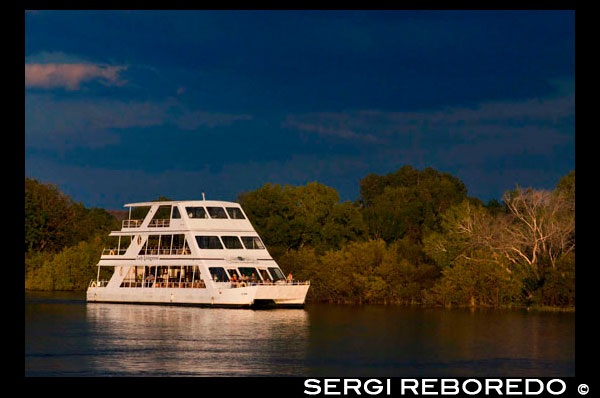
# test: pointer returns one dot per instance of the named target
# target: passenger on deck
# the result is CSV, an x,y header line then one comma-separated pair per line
x,y
253,279
290,278
234,280
149,280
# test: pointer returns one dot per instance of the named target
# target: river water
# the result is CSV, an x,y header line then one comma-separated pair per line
x,y
65,336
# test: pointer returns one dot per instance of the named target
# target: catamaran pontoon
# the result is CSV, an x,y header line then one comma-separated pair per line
x,y
192,253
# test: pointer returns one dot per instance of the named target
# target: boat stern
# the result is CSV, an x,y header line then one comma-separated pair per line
x,y
285,295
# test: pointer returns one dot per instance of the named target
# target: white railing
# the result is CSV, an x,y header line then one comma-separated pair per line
x,y
152,224
100,283
152,251
266,283
163,284
159,223
132,223
113,252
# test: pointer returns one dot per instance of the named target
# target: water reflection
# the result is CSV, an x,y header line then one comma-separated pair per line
x,y
66,336
162,340
401,341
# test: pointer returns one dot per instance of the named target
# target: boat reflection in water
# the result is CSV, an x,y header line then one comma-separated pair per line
x,y
164,340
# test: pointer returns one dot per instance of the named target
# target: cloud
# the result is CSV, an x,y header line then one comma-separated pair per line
x,y
492,127
340,125
191,120
70,76
54,122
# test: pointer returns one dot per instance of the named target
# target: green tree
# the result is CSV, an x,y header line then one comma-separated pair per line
x,y
408,202
293,217
49,217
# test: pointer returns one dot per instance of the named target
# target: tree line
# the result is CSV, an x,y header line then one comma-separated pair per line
x,y
63,239
413,237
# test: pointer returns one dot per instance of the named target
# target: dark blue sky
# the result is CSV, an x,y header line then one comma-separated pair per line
x,y
129,105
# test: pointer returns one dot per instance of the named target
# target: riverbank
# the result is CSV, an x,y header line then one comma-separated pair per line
x,y
542,308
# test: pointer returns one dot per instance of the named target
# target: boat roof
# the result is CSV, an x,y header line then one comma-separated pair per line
x,y
184,202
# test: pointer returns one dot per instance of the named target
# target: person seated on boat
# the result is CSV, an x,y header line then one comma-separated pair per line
x,y
290,278
253,279
234,281
149,280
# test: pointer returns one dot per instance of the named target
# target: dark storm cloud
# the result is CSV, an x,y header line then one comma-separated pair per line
x,y
124,106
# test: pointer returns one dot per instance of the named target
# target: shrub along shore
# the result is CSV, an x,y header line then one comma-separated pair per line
x,y
413,237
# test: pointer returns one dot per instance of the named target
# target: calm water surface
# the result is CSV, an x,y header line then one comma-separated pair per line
x,y
65,336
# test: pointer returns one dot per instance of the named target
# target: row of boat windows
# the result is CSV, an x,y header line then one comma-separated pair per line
x,y
233,213
219,274
229,242
163,276
177,244
190,276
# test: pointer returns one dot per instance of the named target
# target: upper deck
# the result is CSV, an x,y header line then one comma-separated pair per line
x,y
189,215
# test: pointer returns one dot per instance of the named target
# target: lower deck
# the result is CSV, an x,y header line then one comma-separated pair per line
x,y
258,304
269,295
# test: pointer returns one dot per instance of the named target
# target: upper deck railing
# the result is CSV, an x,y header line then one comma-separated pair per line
x,y
132,223
159,223
281,282
164,283
152,224
114,251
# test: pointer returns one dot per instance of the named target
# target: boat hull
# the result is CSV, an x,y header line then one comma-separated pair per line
x,y
292,296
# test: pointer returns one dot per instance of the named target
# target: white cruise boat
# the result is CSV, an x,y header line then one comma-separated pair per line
x,y
200,252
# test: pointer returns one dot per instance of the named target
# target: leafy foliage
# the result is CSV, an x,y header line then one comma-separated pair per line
x,y
293,217
54,221
61,238
408,202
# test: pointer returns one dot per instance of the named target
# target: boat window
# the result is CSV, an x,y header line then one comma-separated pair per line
x,y
139,213
248,271
233,271
209,242
264,274
216,212
180,245
176,212
197,280
165,244
134,277
162,213
218,274
150,246
235,213
196,212
252,242
276,273
149,276
232,242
